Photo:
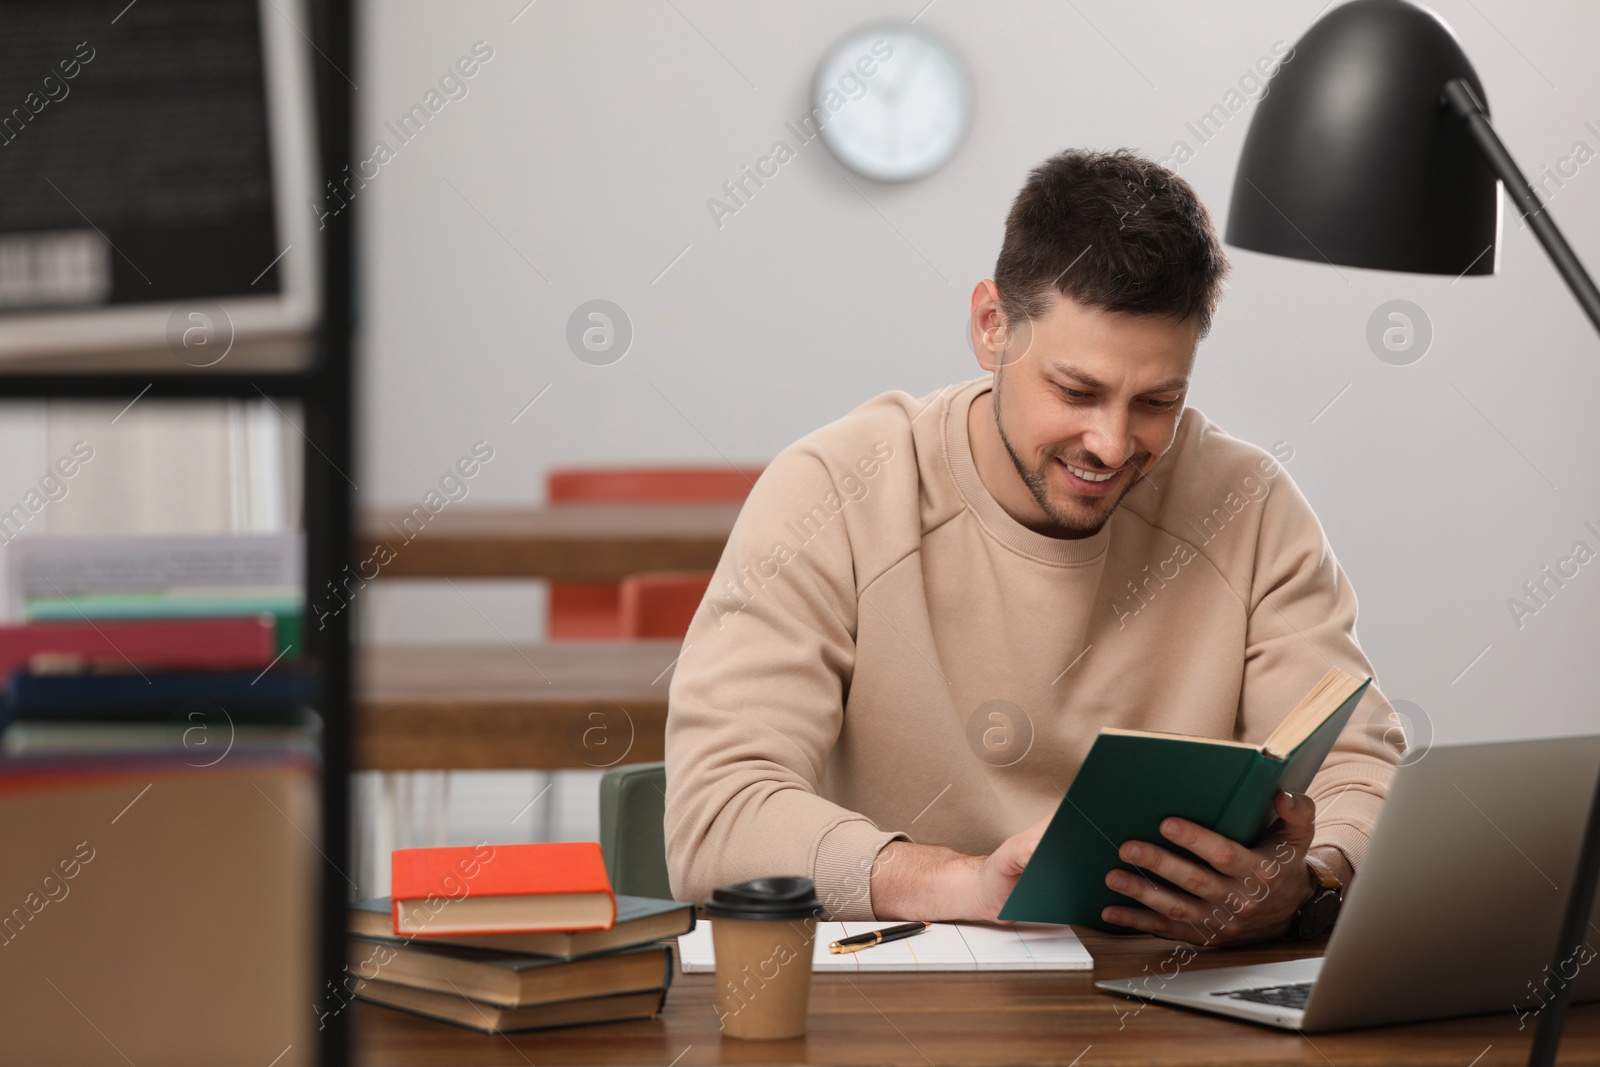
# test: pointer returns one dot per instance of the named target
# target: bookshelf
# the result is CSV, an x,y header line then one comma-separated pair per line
x,y
323,388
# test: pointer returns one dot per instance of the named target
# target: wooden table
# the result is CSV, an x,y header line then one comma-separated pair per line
x,y
972,1018
571,704
595,542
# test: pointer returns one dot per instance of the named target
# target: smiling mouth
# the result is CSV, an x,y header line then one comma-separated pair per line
x,y
1085,482
1089,475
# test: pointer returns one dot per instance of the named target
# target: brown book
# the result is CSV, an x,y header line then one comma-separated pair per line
x,y
491,1018
639,920
509,979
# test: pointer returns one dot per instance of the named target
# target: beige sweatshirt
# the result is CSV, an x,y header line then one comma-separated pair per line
x,y
885,653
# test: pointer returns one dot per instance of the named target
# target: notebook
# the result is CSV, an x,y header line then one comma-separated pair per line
x,y
941,947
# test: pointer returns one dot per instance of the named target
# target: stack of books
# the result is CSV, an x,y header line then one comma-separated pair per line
x,y
154,642
513,937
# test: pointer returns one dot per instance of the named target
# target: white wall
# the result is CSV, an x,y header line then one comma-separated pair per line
x,y
579,165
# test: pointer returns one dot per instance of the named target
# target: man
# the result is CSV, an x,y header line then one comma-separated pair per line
x,y
929,608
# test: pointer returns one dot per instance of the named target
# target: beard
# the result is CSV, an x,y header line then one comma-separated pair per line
x,y
1084,521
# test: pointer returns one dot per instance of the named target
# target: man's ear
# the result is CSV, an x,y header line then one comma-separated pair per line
x,y
986,326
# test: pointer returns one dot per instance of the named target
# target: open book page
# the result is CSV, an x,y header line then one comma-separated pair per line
x,y
1311,712
1301,722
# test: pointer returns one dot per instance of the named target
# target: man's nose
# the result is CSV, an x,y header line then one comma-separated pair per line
x,y
1108,438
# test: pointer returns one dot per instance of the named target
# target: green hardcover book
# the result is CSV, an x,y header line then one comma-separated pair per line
x,y
510,979
639,920
1133,779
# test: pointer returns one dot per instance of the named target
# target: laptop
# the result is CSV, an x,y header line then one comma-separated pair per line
x,y
1456,909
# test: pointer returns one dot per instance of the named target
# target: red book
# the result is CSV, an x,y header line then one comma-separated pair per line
x,y
501,889
183,644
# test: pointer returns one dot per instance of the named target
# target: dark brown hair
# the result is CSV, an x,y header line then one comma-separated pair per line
x,y
1113,231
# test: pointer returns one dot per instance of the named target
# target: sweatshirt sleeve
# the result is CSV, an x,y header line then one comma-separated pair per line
x,y
757,698
1302,621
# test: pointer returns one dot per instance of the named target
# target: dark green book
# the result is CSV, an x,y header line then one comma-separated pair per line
x,y
1133,779
510,979
639,920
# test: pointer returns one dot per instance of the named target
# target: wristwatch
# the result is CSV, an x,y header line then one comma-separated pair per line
x,y
1318,913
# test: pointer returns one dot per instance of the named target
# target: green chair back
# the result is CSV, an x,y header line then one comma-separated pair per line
x,y
633,806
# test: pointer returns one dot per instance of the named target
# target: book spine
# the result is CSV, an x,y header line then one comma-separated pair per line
x,y
47,692
287,611
214,643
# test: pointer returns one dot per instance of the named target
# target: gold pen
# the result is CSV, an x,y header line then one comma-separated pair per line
x,y
877,937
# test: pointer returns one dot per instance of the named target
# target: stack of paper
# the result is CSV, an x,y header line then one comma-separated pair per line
x,y
941,947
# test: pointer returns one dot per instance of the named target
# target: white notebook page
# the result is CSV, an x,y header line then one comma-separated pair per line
x,y
941,947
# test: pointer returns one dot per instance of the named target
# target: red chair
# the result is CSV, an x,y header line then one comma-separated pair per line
x,y
651,485
661,603
593,610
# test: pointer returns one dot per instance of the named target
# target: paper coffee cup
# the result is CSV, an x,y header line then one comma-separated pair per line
x,y
762,933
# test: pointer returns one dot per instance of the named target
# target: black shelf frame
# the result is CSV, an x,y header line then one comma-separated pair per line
x,y
324,390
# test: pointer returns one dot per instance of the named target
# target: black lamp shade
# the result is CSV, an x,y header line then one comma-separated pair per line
x,y
1352,159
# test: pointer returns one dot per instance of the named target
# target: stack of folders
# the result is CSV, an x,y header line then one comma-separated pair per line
x,y
513,937
154,642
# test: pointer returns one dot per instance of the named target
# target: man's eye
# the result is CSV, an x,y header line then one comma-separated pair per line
x,y
1156,405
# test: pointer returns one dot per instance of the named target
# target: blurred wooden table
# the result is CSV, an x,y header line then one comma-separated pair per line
x,y
571,704
576,542
976,1018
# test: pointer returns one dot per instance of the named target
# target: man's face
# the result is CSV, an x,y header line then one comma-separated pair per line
x,y
1082,391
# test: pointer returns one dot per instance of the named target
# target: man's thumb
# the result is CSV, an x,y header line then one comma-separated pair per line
x,y
1300,814
1017,855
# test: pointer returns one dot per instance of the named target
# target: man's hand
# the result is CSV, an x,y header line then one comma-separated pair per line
x,y
1240,895
913,882
1001,868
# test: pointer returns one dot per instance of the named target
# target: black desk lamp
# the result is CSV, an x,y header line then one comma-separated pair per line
x,y
1373,148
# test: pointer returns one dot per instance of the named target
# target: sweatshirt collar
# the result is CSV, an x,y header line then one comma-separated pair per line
x,y
994,518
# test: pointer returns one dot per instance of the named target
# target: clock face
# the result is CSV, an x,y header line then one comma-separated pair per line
x,y
894,102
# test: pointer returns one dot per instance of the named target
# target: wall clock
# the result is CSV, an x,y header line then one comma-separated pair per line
x,y
894,101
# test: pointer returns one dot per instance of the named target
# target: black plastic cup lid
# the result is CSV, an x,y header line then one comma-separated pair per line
x,y
786,897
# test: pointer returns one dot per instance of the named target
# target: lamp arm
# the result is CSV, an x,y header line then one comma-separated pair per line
x,y
1464,102
1547,1036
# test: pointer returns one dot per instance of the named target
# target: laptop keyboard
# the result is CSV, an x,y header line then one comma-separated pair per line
x,y
1293,995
